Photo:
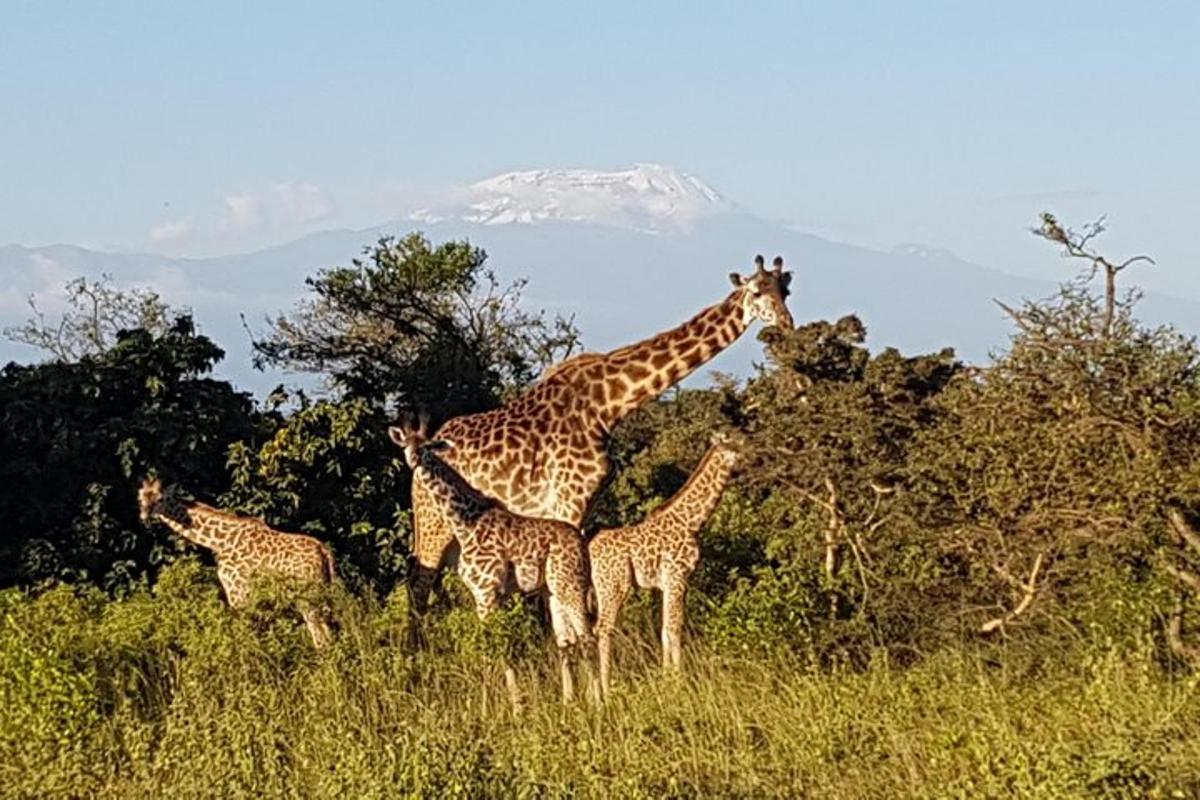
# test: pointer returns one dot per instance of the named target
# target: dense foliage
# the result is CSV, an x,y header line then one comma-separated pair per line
x,y
77,436
939,563
418,326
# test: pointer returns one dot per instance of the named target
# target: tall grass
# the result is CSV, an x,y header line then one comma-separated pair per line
x,y
167,694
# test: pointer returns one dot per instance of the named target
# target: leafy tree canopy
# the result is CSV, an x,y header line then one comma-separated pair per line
x,y
418,326
76,438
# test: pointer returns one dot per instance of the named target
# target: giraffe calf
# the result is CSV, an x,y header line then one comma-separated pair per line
x,y
246,549
660,552
499,548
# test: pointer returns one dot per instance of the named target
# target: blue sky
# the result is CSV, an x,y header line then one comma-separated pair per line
x,y
142,125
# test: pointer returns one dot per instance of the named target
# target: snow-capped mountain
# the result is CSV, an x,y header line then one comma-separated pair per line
x,y
580,237
646,197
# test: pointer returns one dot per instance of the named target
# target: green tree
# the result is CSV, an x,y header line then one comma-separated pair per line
x,y
832,426
76,437
417,326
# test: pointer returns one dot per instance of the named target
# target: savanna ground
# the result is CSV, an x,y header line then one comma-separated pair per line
x,y
931,579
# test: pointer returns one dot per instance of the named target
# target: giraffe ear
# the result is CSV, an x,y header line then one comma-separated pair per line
x,y
398,436
735,279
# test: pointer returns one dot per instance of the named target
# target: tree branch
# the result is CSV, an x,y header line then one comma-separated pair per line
x,y
1184,532
1030,589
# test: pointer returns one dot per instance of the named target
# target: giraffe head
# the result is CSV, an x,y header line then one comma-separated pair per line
x,y
413,438
729,445
151,498
763,293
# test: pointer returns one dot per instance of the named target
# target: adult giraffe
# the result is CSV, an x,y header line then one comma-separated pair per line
x,y
544,454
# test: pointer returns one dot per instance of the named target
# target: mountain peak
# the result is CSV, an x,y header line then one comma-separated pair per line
x,y
648,197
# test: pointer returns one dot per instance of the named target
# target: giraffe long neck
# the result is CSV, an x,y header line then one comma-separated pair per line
x,y
197,523
695,502
451,490
639,372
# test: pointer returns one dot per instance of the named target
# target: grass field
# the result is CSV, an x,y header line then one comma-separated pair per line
x,y
167,694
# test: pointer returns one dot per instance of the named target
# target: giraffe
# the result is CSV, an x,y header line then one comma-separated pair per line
x,y
660,552
245,548
500,549
544,454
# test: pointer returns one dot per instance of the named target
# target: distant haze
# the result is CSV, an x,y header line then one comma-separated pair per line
x,y
628,253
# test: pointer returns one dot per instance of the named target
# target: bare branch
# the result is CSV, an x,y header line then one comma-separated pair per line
x,y
1179,647
1184,532
1030,589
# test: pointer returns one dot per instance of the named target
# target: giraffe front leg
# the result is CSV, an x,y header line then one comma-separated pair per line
x,y
235,585
485,590
317,626
674,611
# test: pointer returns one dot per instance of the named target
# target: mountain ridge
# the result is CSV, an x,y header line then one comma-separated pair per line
x,y
621,280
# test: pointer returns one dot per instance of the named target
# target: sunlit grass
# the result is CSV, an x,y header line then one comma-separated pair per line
x,y
172,696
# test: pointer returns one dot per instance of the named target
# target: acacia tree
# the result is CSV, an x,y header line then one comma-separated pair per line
x,y
417,326
409,326
831,426
96,313
1048,477
1079,245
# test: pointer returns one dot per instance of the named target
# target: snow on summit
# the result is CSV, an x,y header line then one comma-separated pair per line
x,y
647,197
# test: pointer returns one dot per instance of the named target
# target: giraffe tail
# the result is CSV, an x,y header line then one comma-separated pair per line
x,y
328,564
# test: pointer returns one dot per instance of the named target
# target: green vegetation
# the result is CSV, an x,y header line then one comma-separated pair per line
x,y
932,579
164,693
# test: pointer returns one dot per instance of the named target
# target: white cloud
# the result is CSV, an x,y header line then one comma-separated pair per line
x,y
244,211
302,202
172,232
43,286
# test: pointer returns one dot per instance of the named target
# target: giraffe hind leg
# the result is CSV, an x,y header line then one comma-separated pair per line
x,y
318,627
611,591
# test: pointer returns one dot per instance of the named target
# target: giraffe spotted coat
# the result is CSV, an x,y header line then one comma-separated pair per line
x,y
501,551
545,453
245,548
660,552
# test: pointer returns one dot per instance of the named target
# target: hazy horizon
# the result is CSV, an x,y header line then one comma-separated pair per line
x,y
199,131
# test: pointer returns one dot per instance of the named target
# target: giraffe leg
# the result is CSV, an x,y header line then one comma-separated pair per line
x,y
565,639
611,591
237,593
318,627
673,611
487,600
433,547
420,587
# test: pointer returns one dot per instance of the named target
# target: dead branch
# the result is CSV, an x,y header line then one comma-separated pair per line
x,y
1184,576
1030,589
834,526
1184,532
1188,652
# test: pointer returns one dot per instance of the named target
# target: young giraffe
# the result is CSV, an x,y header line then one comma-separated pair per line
x,y
660,552
246,548
499,548
544,453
